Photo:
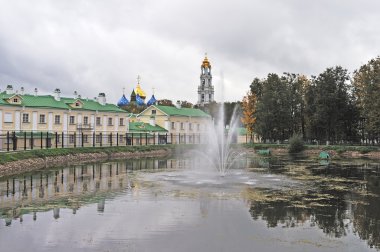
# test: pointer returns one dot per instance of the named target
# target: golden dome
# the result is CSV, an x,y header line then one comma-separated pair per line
x,y
139,91
206,63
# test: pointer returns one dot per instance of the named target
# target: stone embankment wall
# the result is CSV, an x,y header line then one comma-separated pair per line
x,y
27,165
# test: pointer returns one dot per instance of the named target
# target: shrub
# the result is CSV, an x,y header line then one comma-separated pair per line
x,y
296,144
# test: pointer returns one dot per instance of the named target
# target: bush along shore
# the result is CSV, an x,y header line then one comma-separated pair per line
x,y
12,163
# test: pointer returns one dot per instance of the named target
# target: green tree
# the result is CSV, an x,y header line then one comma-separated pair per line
x,y
165,102
273,114
367,89
331,109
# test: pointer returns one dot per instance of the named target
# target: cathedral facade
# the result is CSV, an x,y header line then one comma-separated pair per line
x,y
205,89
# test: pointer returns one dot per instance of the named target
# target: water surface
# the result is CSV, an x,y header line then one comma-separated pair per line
x,y
177,204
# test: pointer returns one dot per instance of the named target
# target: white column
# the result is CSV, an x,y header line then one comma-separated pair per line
x,y
116,124
17,121
50,121
92,123
79,123
34,120
65,128
104,130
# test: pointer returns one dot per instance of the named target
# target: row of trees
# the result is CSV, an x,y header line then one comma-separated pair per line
x,y
333,106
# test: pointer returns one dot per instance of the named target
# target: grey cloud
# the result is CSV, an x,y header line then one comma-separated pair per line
x,y
101,46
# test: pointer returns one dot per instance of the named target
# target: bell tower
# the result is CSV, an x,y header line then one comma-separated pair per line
x,y
205,89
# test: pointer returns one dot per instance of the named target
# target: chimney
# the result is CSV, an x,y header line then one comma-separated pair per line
x,y
57,94
102,98
75,94
178,105
22,91
9,89
152,121
35,92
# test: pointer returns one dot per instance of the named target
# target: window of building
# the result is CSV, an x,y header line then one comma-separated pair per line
x,y
109,121
71,120
121,137
77,104
15,100
57,119
98,138
154,111
71,139
85,138
202,98
42,118
173,125
85,120
98,121
121,121
25,117
8,117
182,126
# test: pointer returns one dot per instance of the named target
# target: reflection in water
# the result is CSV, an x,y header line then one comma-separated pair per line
x,y
340,199
71,187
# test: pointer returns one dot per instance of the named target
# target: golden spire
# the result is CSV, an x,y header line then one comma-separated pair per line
x,y
138,89
206,63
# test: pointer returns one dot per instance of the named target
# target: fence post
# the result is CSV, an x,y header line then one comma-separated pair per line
x,y
31,140
117,139
154,138
132,139
25,140
140,138
111,138
56,139
82,140
41,140
63,139
47,140
101,139
179,138
126,139
8,139
146,138
75,139
14,139
93,139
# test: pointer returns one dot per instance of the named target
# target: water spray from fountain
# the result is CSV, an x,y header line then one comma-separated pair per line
x,y
219,150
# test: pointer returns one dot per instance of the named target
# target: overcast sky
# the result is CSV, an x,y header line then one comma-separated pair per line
x,y
94,46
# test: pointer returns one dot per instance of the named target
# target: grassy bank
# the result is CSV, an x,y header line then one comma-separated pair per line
x,y
6,157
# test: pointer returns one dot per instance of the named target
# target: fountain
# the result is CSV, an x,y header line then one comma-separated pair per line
x,y
219,150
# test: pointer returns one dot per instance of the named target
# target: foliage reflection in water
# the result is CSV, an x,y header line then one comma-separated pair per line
x,y
340,198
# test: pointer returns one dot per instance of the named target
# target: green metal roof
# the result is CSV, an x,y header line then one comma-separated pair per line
x,y
135,127
48,101
190,112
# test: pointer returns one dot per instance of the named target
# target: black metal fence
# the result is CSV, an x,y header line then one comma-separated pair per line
x,y
28,140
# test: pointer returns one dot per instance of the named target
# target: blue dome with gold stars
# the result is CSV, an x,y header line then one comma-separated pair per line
x,y
123,101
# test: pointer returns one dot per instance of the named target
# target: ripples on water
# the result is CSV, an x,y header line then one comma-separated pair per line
x,y
166,205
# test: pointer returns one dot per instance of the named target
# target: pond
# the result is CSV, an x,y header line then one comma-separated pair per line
x,y
174,204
